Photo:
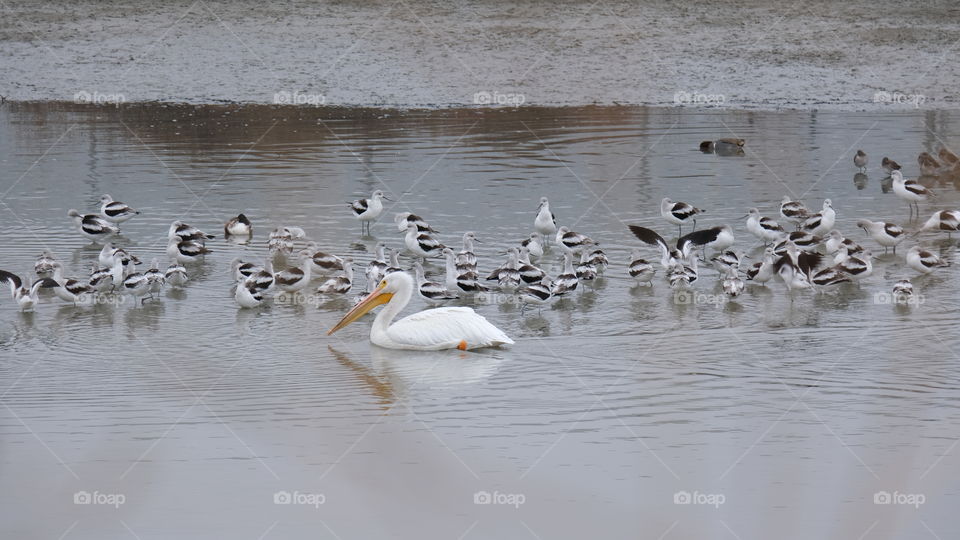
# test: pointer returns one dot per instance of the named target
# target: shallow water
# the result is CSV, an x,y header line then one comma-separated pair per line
x,y
793,413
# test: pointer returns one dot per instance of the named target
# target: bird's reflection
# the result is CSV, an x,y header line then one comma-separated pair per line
x,y
860,180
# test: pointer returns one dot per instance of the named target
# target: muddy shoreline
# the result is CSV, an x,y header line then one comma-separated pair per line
x,y
435,55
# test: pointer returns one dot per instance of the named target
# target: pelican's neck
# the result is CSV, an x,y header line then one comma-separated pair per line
x,y
392,308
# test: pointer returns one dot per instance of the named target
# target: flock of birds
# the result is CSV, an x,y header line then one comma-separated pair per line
x,y
802,249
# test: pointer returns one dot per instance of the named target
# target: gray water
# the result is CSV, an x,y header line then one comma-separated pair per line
x,y
793,412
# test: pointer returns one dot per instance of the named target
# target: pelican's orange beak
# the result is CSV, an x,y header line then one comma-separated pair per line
x,y
372,300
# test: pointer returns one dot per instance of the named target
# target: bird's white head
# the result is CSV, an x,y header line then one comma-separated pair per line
x,y
106,198
896,175
378,194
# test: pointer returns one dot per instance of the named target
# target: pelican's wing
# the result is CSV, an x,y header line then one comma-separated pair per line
x,y
446,328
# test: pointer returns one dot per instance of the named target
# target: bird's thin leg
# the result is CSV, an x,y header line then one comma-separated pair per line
x,y
694,224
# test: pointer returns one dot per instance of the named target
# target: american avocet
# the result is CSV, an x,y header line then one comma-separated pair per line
x,y
263,279
764,228
136,285
586,270
910,190
946,220
109,253
545,223
466,257
433,329
678,213
596,256
835,239
239,226
802,239
322,262
378,266
948,160
422,244
725,260
790,270
281,240
681,276
763,271
528,272
793,211
243,269
716,238
567,281
115,211
186,251
508,275
821,222
403,218
668,257
732,284
339,284
394,264
536,294
70,289
858,267
458,280
534,245
886,234
248,294
639,269
571,242
43,267
924,261
829,278
431,291
181,230
929,166
93,227
295,279
155,278
902,291
176,274
888,165
26,297
860,160
106,279
368,210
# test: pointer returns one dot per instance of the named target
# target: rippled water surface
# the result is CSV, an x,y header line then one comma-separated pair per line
x,y
792,412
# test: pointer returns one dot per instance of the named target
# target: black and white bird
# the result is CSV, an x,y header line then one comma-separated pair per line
x,y
802,239
725,260
793,211
460,281
422,244
910,190
322,262
545,223
945,220
115,211
536,294
639,269
716,238
186,251
339,284
534,245
829,278
924,261
764,228
93,227
571,242
858,266
529,273
295,279
888,165
431,291
903,292
732,284
835,239
403,218
678,213
567,281
249,294
136,285
466,258
26,297
281,241
368,210
682,275
181,230
75,291
176,274
668,256
44,264
394,264
155,279
377,268
886,234
763,271
238,227
820,223
586,270
241,269
508,275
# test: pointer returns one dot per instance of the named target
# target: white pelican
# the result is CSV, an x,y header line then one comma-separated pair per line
x,y
924,261
679,213
545,222
93,227
860,160
115,211
367,210
238,226
430,330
